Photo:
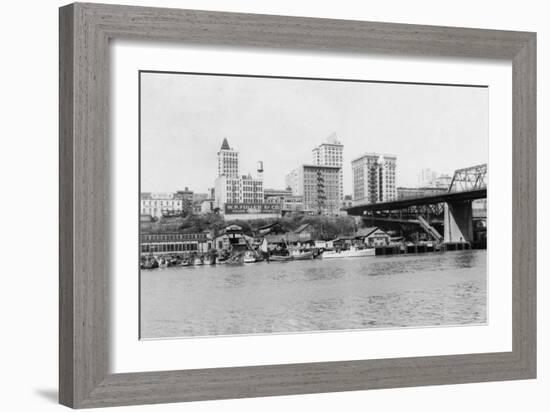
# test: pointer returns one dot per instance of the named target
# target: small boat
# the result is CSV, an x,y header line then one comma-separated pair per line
x,y
197,261
249,257
302,255
162,262
185,262
235,259
280,258
150,263
209,260
351,252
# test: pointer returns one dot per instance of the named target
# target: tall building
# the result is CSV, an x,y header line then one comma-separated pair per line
x,y
228,161
330,153
319,187
374,178
230,187
320,184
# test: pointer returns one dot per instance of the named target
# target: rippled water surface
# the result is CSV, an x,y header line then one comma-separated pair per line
x,y
316,295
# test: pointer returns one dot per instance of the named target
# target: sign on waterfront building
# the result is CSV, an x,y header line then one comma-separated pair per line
x,y
251,208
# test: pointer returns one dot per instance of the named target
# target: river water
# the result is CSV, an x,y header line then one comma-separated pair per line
x,y
316,295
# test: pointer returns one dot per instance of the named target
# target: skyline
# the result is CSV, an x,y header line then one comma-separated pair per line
x,y
283,186
280,121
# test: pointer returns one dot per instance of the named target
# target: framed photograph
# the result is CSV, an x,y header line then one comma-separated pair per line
x,y
258,205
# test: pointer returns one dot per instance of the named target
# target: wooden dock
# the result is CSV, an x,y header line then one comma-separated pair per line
x,y
421,248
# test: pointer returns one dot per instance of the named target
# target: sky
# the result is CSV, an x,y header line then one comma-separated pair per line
x,y
185,117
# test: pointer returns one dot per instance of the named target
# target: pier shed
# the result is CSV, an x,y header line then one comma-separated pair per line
x,y
303,233
373,236
233,238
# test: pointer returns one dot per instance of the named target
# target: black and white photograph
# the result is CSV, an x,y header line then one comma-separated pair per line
x,y
269,206
276,205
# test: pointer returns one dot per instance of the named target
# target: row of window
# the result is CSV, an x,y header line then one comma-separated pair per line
x,y
172,237
161,203
169,247
244,189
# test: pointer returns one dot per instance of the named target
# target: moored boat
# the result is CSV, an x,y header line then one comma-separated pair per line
x,y
209,260
302,255
249,257
351,252
185,262
280,258
149,263
197,261
162,262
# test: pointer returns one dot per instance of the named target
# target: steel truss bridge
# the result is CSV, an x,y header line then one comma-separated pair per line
x,y
450,212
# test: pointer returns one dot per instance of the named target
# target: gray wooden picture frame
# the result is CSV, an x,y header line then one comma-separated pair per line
x,y
85,31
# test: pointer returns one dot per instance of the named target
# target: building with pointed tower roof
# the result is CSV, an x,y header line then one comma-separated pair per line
x,y
236,194
228,161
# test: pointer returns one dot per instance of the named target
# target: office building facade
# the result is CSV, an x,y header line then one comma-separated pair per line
x,y
232,188
374,178
331,153
319,187
228,161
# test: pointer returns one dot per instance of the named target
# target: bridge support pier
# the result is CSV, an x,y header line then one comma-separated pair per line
x,y
458,222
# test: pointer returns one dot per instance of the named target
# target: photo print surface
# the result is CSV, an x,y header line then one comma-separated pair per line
x,y
288,205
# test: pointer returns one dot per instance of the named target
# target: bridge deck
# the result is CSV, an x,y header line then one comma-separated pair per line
x,y
427,200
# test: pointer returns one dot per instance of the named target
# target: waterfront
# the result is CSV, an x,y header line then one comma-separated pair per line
x,y
315,295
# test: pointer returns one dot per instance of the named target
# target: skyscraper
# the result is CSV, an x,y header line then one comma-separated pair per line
x,y
319,186
374,178
228,161
330,153
321,183
229,186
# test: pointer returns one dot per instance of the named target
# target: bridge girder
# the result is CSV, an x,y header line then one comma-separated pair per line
x,y
469,178
427,211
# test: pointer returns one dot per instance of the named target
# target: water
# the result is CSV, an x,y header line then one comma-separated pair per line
x,y
315,295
